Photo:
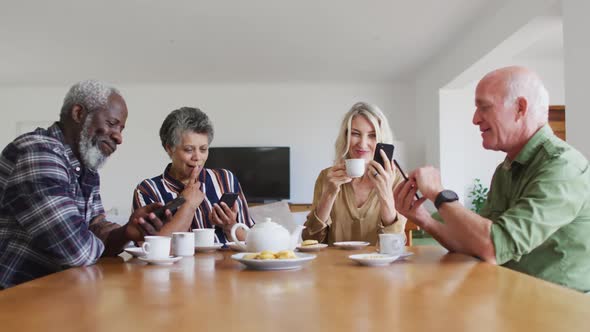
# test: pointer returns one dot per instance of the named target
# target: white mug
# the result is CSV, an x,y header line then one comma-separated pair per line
x,y
205,237
183,244
355,167
156,247
392,243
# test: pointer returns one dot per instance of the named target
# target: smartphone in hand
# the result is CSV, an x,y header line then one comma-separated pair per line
x,y
403,175
229,199
387,148
172,206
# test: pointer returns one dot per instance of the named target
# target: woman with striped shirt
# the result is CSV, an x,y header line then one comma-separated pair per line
x,y
186,134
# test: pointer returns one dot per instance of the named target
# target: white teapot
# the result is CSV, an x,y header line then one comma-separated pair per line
x,y
267,235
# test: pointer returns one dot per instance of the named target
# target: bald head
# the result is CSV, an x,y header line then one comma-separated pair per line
x,y
512,83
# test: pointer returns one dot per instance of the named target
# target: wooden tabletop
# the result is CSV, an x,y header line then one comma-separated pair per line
x,y
430,291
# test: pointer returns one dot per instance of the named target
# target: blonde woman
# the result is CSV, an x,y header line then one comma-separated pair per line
x,y
359,209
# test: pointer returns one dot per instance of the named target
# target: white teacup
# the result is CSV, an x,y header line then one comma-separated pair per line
x,y
355,167
156,247
392,243
205,237
183,244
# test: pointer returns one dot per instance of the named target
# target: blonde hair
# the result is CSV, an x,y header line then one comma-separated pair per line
x,y
374,115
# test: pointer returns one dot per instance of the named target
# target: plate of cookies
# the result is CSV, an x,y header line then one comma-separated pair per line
x,y
270,260
311,245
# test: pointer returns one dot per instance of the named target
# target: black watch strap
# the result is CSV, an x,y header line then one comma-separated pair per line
x,y
445,196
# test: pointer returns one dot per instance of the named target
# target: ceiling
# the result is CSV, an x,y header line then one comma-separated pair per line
x,y
142,41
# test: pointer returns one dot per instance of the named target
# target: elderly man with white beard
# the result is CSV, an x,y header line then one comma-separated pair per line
x,y
51,213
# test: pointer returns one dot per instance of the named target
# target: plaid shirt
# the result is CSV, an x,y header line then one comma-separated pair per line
x,y
164,188
48,201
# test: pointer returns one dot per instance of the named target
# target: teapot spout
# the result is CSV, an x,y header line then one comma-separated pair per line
x,y
296,236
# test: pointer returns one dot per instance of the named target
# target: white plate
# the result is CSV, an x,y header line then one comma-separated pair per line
x,y
161,261
208,248
274,264
135,251
351,245
313,247
233,246
373,259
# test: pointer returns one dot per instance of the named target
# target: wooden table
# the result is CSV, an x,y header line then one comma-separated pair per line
x,y
431,291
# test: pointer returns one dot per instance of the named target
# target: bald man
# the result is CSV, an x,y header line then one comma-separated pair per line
x,y
536,219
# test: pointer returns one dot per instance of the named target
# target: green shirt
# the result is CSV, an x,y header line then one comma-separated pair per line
x,y
540,208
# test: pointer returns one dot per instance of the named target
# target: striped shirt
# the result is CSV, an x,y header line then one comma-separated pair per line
x,y
48,201
164,188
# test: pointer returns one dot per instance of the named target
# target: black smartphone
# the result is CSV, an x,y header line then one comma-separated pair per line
x,y
172,206
403,175
229,199
387,148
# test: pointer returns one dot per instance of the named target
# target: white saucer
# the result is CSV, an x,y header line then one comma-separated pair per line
x,y
402,255
313,247
351,245
208,248
161,261
233,246
135,251
373,259
274,264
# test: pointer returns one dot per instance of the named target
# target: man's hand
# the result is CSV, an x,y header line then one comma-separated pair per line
x,y
428,181
144,222
409,206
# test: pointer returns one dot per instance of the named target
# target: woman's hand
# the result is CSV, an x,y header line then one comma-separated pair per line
x,y
382,177
192,190
335,178
224,216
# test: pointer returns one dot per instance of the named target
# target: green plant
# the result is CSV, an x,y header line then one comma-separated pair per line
x,y
478,195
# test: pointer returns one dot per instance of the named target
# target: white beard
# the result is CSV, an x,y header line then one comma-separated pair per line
x,y
91,155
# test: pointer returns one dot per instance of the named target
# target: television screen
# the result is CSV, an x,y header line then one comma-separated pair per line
x,y
263,172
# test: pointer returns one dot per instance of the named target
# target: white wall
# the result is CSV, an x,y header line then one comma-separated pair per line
x,y
577,71
463,158
305,117
488,31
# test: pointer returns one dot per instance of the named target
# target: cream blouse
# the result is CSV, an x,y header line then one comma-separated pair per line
x,y
347,222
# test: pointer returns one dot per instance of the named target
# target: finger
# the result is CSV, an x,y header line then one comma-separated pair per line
x,y
146,227
214,217
168,214
402,200
218,212
386,161
226,209
155,221
221,213
376,167
418,203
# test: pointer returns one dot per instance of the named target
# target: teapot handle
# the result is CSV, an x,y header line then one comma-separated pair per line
x,y
235,238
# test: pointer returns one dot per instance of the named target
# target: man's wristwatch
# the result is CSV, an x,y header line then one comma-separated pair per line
x,y
445,196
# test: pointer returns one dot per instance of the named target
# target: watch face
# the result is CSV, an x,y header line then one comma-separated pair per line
x,y
445,196
449,195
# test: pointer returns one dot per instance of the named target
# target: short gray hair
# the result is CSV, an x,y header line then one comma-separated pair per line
x,y
90,94
182,120
528,85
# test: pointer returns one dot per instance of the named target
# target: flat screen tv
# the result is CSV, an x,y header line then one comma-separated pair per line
x,y
263,172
